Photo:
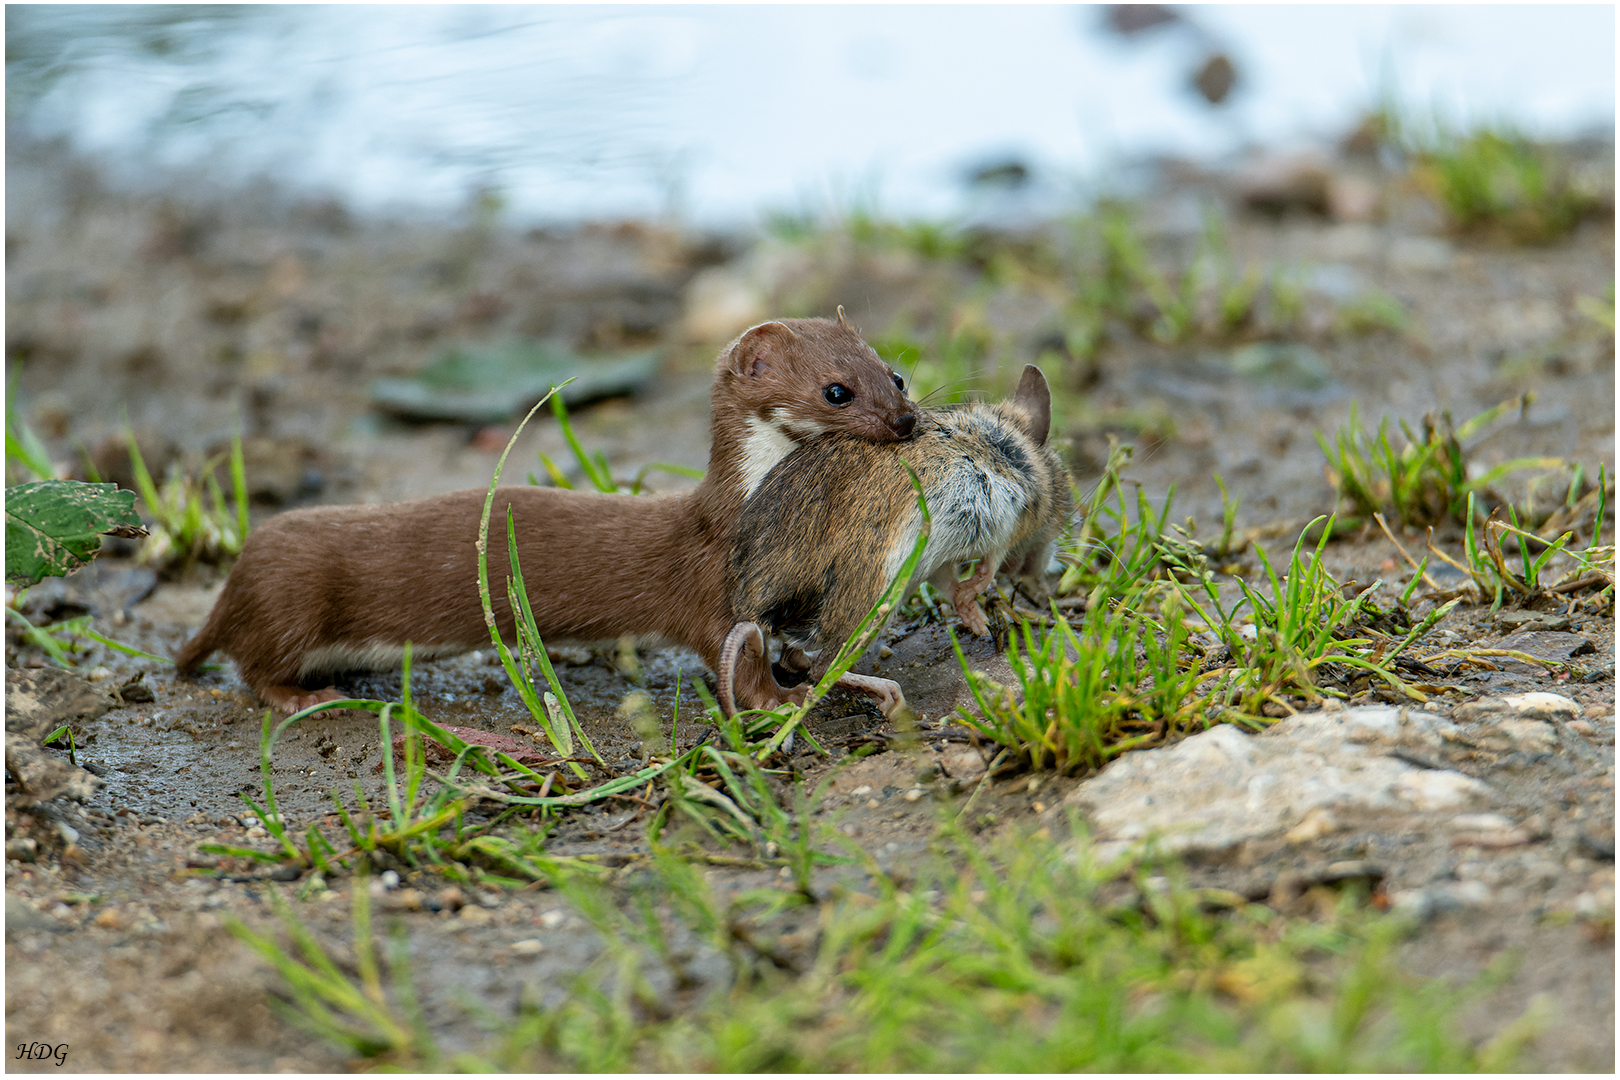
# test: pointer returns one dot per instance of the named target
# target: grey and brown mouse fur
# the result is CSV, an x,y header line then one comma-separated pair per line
x,y
336,588
826,531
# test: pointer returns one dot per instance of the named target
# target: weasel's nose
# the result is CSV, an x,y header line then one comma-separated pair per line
x,y
903,425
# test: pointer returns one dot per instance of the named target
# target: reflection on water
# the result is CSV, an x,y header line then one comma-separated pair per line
x,y
716,113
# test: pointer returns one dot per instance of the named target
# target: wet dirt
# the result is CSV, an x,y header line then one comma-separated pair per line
x,y
196,309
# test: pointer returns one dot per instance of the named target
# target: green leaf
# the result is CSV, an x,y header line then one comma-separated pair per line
x,y
53,527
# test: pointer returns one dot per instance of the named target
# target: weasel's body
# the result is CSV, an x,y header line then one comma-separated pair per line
x,y
826,531
339,588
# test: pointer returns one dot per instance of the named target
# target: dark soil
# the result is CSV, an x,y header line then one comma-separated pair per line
x,y
194,311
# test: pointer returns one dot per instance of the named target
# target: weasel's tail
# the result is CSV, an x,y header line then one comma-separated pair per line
x,y
726,672
197,649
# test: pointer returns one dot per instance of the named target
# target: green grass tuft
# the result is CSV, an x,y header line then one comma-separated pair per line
x,y
1500,184
1418,479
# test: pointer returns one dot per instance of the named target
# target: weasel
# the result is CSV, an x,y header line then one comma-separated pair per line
x,y
822,536
339,588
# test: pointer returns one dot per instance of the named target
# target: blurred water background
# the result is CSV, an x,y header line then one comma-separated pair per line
x,y
716,115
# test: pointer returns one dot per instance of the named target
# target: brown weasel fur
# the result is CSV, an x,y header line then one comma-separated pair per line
x,y
830,526
338,588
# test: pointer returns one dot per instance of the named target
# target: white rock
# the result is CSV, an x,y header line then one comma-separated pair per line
x,y
964,763
1480,823
720,303
527,947
1438,789
1467,893
1595,904
1544,706
1530,734
1223,787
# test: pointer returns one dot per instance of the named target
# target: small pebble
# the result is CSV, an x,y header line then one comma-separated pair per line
x,y
1581,727
914,794
553,919
1596,904
1316,823
527,947
872,804
864,789
404,900
1481,822
474,915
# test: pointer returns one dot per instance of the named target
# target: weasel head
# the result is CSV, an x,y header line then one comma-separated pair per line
x,y
793,379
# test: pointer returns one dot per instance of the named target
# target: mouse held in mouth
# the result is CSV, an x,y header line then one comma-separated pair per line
x,y
827,530
338,588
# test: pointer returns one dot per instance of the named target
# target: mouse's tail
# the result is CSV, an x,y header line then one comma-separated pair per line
x,y
726,671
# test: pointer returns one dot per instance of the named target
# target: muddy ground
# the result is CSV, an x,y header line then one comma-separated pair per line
x,y
198,310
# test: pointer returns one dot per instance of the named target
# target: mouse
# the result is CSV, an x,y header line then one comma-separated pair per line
x,y
830,526
329,589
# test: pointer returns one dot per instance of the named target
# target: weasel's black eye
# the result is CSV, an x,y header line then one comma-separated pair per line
x,y
899,383
838,394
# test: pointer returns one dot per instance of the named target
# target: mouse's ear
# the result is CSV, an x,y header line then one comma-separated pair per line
x,y
750,355
1034,399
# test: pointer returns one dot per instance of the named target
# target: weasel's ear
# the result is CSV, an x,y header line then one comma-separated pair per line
x,y
751,355
1034,398
843,321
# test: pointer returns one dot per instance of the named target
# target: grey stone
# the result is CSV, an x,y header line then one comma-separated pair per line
x,y
1547,644
1522,717
1421,254
1531,620
21,916
1437,899
1223,787
489,383
102,588
37,702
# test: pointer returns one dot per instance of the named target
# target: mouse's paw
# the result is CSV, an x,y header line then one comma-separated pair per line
x,y
890,698
965,598
974,618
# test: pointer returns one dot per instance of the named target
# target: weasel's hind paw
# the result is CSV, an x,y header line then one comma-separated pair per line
x,y
287,700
